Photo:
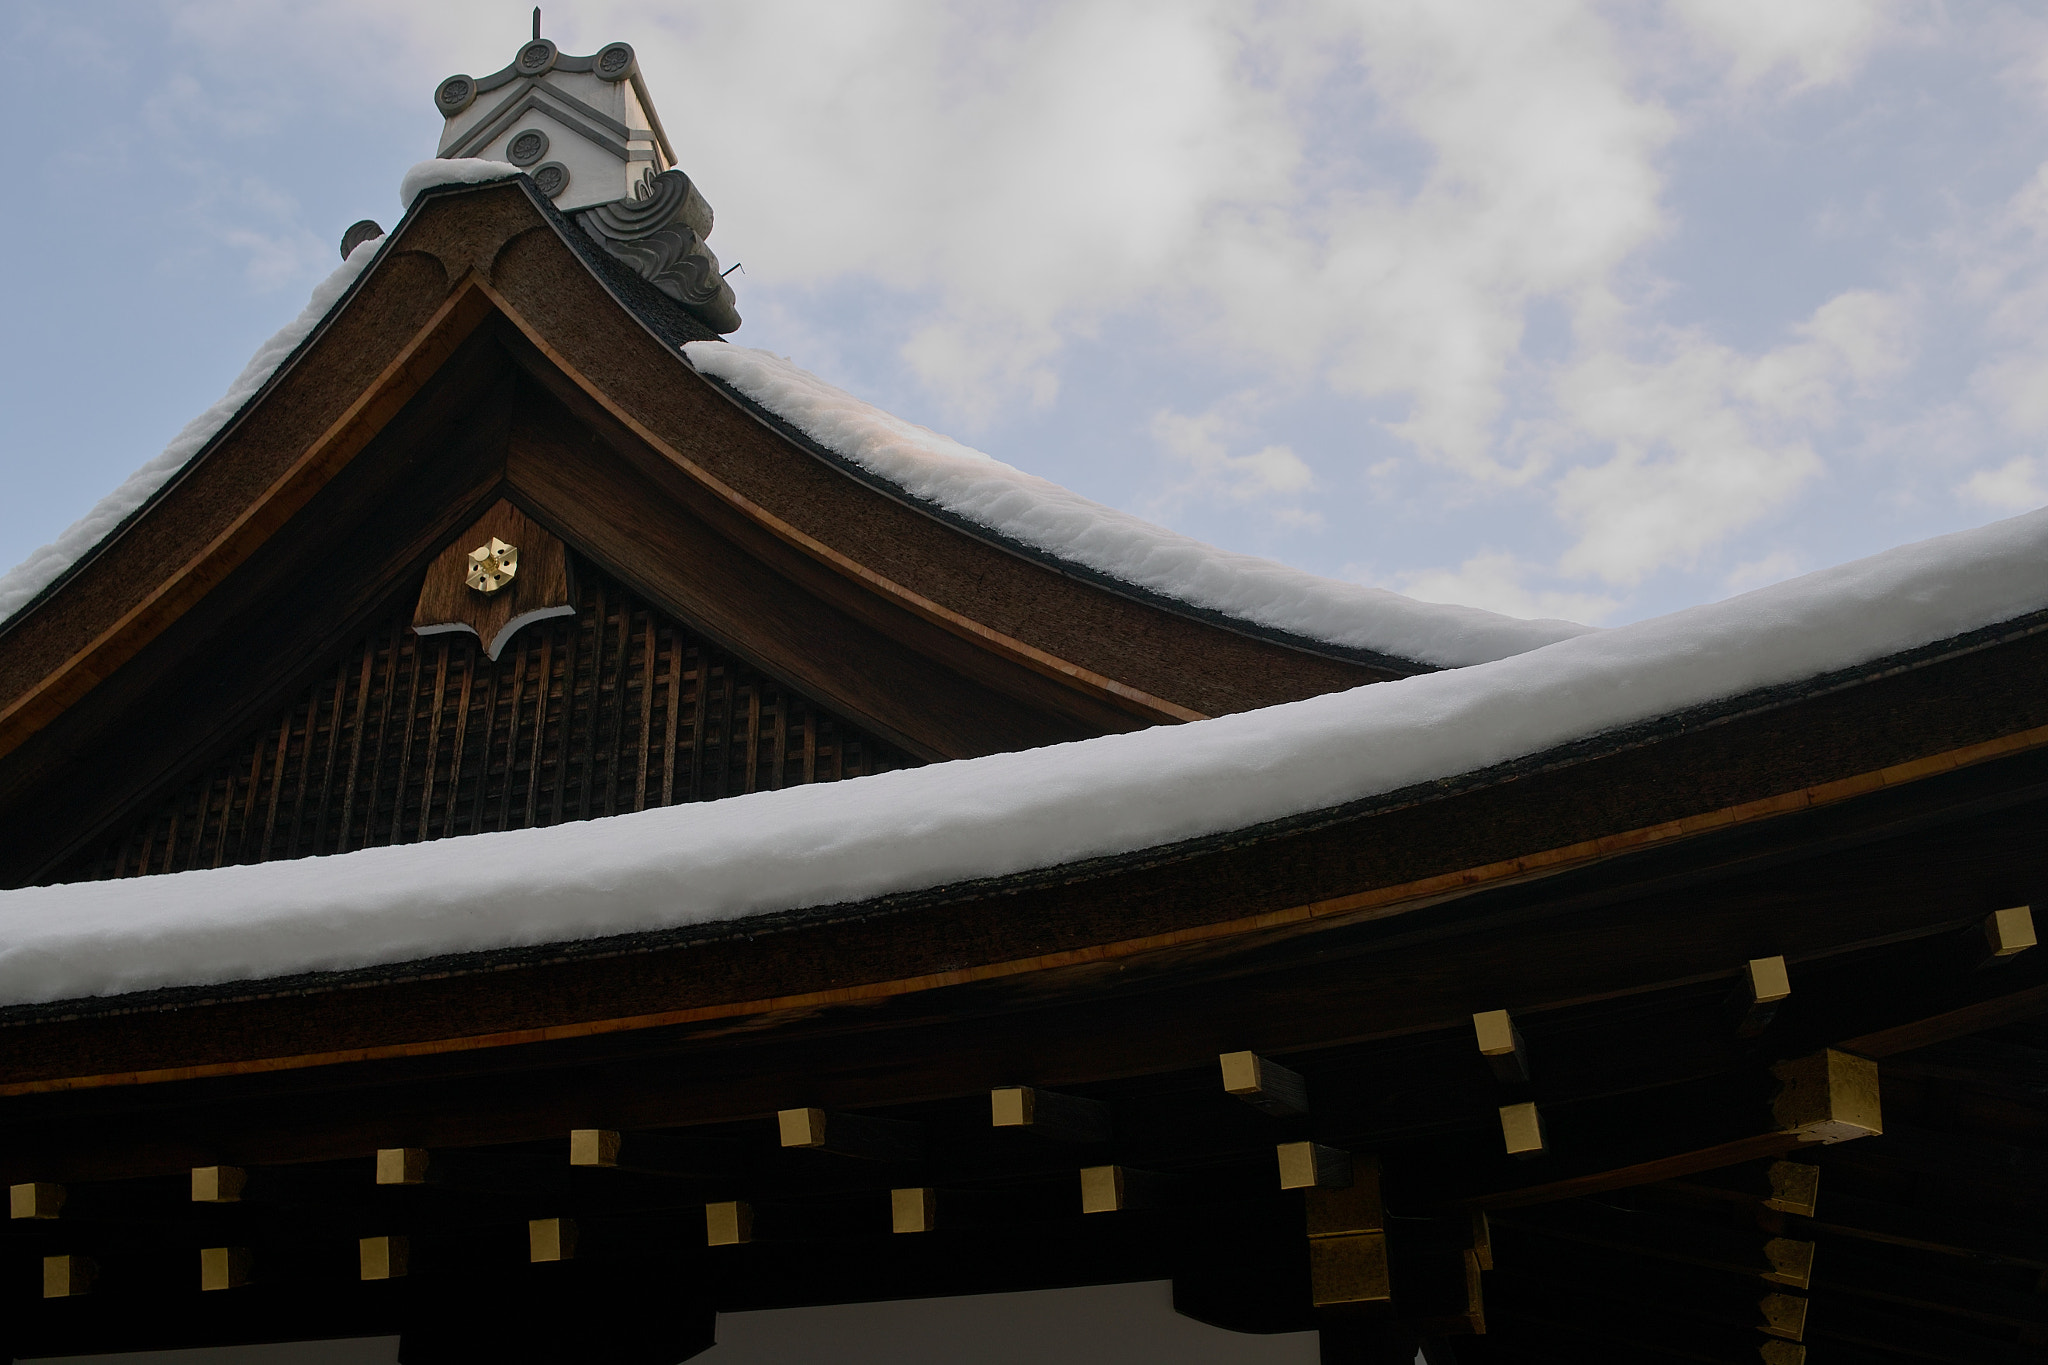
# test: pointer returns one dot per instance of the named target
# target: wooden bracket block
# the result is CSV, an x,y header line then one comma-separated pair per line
x,y
2011,931
1763,985
1266,1086
1795,1187
1310,1165
401,1165
1347,1241
1500,1042
1521,1128
855,1135
67,1277
1784,1315
219,1184
1112,1189
384,1258
1066,1118
1791,1262
1782,1353
594,1147
1482,1240
224,1267
1350,1272
550,1239
728,1224
914,1210
1827,1097
37,1200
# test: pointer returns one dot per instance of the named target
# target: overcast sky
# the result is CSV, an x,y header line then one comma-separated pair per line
x,y
1562,308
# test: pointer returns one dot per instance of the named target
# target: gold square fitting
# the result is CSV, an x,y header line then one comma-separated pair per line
x,y
492,566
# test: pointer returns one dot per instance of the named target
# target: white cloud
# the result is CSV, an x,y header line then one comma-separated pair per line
x,y
2014,486
1499,581
1198,448
1706,440
1762,571
1822,41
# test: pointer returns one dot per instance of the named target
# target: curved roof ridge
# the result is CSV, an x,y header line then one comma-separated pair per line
x,y
1043,516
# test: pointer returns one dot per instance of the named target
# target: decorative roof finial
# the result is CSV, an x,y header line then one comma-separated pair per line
x,y
585,130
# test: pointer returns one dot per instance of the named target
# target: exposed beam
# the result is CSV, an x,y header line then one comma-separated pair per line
x,y
38,1199
730,1223
67,1277
218,1184
1113,1189
402,1165
383,1258
854,1135
1521,1130
224,1267
1265,1085
1501,1043
1310,1165
1784,1261
914,1210
550,1239
2009,931
1065,1118
1763,984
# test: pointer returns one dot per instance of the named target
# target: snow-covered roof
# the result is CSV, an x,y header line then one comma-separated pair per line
x,y
942,473
1009,813
26,581
1036,513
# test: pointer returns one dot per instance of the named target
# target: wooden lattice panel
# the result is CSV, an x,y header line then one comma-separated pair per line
x,y
408,738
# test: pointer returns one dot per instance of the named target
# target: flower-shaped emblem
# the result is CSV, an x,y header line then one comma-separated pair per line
x,y
492,566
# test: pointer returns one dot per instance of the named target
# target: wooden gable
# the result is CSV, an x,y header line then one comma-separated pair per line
x,y
192,665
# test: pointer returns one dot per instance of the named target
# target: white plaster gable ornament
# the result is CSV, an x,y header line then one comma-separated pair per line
x,y
585,130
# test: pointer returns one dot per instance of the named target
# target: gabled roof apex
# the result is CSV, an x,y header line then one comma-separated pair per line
x,y
583,127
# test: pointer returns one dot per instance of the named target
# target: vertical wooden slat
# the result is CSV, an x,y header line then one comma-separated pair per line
x,y
810,715
780,749
355,744
479,806
387,697
616,756
412,719
700,717
284,740
753,736
305,770
572,658
594,710
227,814
648,658
512,734
675,706
336,712
543,689
433,760
472,654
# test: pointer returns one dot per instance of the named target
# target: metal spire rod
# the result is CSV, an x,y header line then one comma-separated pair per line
x,y
536,21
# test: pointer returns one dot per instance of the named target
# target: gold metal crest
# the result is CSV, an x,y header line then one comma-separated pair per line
x,y
492,566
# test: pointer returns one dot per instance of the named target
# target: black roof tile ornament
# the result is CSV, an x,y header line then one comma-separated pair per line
x,y
585,130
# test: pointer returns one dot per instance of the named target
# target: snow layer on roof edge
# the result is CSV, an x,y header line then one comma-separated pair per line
x,y
951,822
1064,524
26,580
21,584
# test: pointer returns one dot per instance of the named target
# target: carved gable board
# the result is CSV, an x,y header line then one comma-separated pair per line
x,y
473,585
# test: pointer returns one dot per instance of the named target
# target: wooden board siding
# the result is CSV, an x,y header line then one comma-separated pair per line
x,y
407,738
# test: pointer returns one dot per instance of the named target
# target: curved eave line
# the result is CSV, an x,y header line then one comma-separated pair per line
x,y
1368,904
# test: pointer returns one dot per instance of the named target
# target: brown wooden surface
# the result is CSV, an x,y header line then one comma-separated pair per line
x,y
320,412
407,738
540,586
